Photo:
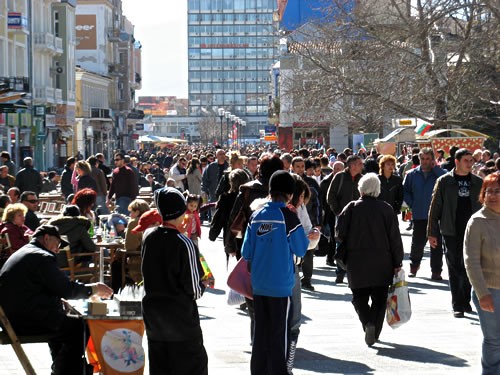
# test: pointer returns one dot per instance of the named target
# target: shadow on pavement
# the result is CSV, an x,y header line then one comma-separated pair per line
x,y
418,354
215,291
311,361
326,296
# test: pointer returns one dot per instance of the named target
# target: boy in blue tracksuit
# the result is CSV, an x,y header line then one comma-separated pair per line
x,y
274,234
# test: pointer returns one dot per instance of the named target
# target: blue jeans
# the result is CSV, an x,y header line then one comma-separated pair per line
x,y
490,325
123,203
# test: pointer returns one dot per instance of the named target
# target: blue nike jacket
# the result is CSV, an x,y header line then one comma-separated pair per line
x,y
273,235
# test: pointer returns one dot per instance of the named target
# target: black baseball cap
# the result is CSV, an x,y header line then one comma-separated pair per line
x,y
51,230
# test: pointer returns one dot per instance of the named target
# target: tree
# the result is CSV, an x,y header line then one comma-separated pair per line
x,y
209,128
437,60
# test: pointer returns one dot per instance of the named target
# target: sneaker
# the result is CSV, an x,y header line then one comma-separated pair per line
x,y
369,334
330,262
458,314
436,276
339,279
413,270
307,285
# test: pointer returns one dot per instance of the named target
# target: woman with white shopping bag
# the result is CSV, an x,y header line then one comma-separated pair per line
x,y
369,231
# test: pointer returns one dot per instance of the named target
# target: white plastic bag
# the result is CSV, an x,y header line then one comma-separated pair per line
x,y
233,298
398,309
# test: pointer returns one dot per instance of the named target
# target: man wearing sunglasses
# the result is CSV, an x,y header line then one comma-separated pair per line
x,y
30,200
31,288
123,185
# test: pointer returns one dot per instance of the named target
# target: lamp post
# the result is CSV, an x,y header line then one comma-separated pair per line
x,y
243,125
236,123
231,119
221,115
227,115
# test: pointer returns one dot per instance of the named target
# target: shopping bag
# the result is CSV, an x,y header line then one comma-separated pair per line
x,y
239,279
398,309
233,298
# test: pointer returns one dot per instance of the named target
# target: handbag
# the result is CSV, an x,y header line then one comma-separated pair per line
x,y
341,255
398,310
239,279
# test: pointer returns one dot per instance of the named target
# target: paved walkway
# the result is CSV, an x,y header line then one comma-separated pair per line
x,y
331,340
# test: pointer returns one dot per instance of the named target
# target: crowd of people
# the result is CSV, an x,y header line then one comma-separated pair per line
x,y
272,208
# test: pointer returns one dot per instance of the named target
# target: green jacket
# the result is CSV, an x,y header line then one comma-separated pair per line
x,y
443,210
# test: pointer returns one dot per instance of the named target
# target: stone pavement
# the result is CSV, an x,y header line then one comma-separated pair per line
x,y
331,339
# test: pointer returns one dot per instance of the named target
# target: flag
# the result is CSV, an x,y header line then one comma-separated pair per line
x,y
422,129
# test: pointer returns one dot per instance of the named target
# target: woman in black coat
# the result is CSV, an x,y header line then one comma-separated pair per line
x,y
84,179
368,228
391,185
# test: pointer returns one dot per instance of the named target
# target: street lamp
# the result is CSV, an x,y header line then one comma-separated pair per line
x,y
231,118
227,115
221,115
237,123
243,124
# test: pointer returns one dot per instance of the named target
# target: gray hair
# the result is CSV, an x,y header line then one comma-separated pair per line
x,y
369,185
426,151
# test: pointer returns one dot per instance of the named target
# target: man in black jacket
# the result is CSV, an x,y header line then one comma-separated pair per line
x,y
66,185
31,288
342,190
29,178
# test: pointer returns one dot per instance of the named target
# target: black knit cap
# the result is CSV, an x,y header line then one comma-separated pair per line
x,y
170,203
282,182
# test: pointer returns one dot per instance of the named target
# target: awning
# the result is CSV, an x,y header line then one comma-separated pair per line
x,y
453,133
158,139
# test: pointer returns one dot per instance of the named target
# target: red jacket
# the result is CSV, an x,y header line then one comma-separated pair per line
x,y
18,236
190,216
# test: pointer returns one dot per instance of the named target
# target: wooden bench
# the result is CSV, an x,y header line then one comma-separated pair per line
x,y
9,337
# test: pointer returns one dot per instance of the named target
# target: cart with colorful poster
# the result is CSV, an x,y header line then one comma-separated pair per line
x,y
444,139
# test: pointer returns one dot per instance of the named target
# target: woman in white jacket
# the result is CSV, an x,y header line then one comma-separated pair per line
x,y
298,204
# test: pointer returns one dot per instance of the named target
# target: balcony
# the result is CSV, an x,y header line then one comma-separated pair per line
x,y
44,95
47,42
58,96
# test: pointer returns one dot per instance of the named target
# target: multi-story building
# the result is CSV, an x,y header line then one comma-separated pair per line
x,y
106,46
15,121
231,48
37,58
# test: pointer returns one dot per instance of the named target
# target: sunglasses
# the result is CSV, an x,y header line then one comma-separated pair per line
x,y
118,159
32,200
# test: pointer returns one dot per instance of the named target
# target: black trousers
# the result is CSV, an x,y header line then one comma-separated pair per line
x,y
418,241
177,358
270,343
459,282
67,348
307,266
374,313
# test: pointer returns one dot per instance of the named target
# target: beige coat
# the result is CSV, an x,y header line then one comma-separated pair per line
x,y
482,251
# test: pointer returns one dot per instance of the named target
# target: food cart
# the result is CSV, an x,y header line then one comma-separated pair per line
x,y
444,139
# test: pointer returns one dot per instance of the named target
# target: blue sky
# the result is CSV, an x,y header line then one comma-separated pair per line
x,y
161,27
